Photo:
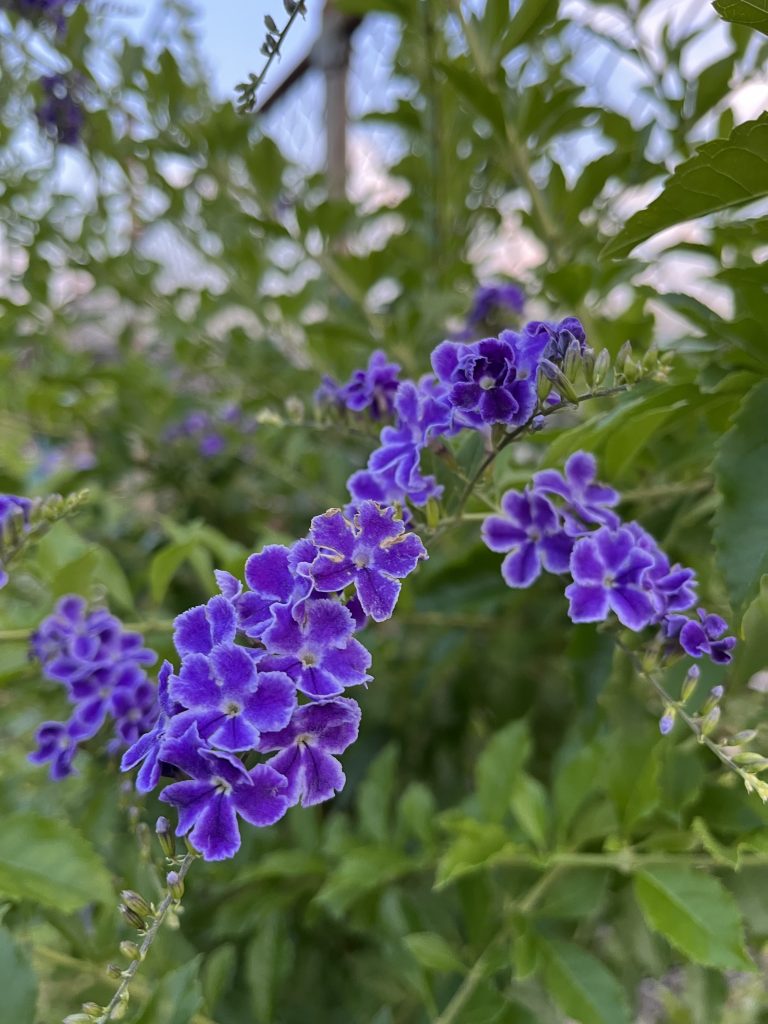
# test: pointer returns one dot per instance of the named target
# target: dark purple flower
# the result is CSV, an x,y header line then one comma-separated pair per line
x,y
61,114
212,444
488,384
607,568
41,10
373,552
219,789
702,638
200,629
229,699
551,340
531,531
307,745
319,653
586,501
373,388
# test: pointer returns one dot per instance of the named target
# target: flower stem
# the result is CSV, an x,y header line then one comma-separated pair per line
x,y
149,937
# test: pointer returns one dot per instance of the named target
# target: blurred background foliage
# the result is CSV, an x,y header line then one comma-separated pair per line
x,y
516,843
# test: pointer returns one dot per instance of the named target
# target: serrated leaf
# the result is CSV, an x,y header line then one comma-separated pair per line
x,y
17,982
694,913
432,951
741,533
576,895
722,174
48,861
753,13
360,872
480,844
581,985
530,806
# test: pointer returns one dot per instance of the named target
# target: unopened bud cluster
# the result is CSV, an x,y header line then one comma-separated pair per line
x,y
270,48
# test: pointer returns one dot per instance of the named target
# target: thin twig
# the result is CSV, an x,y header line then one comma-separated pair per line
x,y
149,937
248,90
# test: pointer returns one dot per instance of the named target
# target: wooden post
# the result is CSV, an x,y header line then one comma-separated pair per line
x,y
332,54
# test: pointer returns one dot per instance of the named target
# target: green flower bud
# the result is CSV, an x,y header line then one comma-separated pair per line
x,y
543,386
562,385
165,836
133,919
624,353
269,21
710,722
572,360
588,362
715,695
131,950
93,1010
114,970
602,366
745,736
690,683
175,884
77,1018
136,902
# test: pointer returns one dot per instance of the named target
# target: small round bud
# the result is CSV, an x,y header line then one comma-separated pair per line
x,y
130,949
175,884
165,836
667,721
745,736
136,902
711,720
114,970
624,354
93,1010
689,683
77,1018
715,695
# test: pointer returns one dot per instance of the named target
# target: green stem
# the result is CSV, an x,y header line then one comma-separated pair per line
x,y
149,937
9,636
248,90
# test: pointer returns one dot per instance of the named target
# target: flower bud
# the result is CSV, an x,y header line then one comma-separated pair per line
x,y
93,1010
120,1010
588,362
563,386
667,721
624,353
136,902
130,949
165,836
114,970
602,366
690,683
133,919
77,1018
711,720
543,386
175,884
269,21
745,736
651,359
715,695
433,514
572,359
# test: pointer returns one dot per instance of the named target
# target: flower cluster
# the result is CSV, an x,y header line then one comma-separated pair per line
x,y
102,667
475,386
61,115
208,432
372,389
14,519
565,523
492,305
263,669
52,11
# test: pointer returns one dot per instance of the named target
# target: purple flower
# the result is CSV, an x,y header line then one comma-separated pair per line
x,y
607,568
491,299
373,552
219,789
48,10
672,588
531,531
212,444
319,653
703,637
229,699
147,749
373,388
101,666
553,340
394,469
61,114
586,501
200,629
306,748
14,514
487,381
57,743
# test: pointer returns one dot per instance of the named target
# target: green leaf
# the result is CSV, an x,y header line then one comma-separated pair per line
x,y
433,952
47,861
575,895
165,564
529,17
268,958
530,806
723,173
740,522
499,767
473,89
360,872
753,13
582,986
17,982
177,998
695,914
479,845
